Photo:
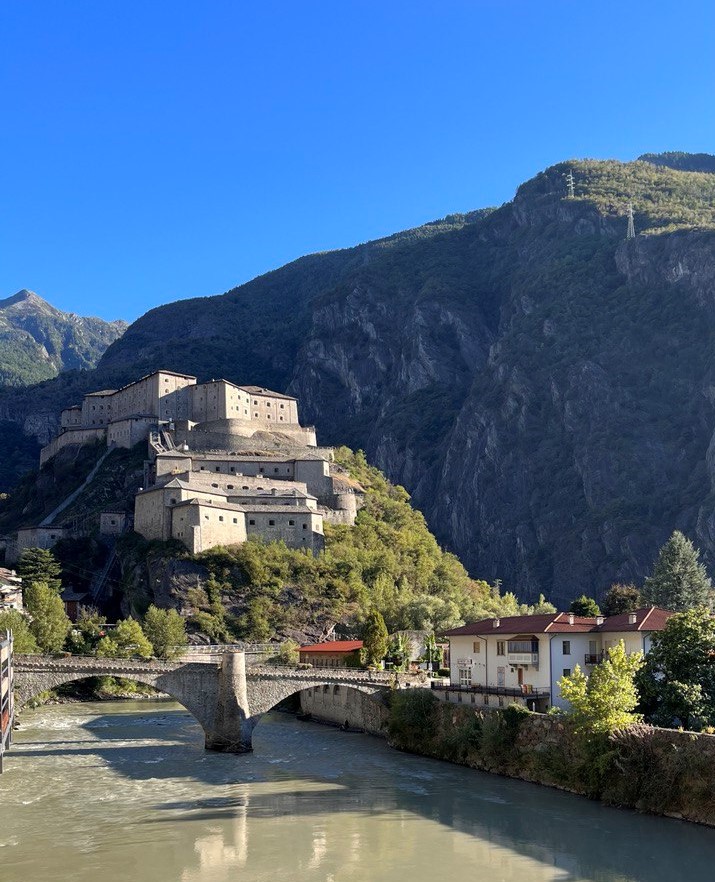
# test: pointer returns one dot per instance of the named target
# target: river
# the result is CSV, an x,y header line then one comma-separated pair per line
x,y
124,791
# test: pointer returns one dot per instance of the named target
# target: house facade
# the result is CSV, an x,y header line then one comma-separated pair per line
x,y
520,659
332,654
10,590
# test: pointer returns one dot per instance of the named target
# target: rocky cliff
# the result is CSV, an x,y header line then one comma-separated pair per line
x,y
543,386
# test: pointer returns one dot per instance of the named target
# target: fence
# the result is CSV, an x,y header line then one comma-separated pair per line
x,y
7,707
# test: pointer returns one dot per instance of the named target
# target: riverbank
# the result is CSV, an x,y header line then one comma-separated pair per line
x,y
657,771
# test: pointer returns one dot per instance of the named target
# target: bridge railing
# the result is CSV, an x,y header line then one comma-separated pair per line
x,y
7,710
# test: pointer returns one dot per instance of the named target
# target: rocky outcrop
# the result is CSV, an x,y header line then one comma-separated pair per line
x,y
542,386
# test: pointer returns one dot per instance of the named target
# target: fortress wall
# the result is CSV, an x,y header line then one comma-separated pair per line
x,y
71,437
341,705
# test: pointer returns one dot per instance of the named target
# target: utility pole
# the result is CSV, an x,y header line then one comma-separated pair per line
x,y
631,233
570,185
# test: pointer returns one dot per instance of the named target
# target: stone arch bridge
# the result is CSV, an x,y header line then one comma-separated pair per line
x,y
226,696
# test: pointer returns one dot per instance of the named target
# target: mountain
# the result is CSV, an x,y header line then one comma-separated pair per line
x,y
543,386
697,162
38,341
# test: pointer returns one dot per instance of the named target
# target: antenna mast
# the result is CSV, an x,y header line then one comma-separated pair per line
x,y
631,233
570,184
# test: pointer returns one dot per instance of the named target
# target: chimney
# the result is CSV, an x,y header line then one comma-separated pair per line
x,y
599,620
632,618
571,618
497,622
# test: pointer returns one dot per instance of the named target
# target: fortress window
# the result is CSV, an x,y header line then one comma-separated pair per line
x,y
268,416
268,403
281,407
305,526
172,501
271,523
218,468
255,414
201,469
229,486
291,523
235,520
93,407
245,487
206,517
260,469
214,485
275,470
220,517
280,418
252,523
255,402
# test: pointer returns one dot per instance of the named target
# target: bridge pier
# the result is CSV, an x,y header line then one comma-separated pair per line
x,y
232,726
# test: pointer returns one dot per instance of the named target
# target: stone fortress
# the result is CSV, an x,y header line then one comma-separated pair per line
x,y
224,463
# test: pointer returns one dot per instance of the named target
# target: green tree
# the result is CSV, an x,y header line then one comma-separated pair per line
x,y
23,640
48,621
584,606
166,630
622,599
398,651
679,581
130,639
605,701
541,607
677,683
86,632
39,565
288,653
374,638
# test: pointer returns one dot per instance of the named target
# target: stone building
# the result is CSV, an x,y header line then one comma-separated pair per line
x,y
218,409
224,463
10,590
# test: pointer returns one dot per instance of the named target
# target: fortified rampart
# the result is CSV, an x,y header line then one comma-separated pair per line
x,y
219,428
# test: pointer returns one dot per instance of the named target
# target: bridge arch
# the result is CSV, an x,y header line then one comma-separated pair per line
x,y
359,705
193,686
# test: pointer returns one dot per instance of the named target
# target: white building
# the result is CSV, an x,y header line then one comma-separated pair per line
x,y
520,659
10,590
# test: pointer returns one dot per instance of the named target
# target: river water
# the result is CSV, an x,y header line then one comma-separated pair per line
x,y
124,791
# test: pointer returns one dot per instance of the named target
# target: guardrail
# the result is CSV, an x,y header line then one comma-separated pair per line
x,y
7,706
522,692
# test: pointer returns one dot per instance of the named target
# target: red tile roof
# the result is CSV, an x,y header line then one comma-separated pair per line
x,y
647,619
538,624
650,618
334,646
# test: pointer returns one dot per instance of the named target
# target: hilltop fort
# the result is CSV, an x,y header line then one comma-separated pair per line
x,y
224,463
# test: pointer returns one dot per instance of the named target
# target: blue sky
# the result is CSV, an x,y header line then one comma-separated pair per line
x,y
152,151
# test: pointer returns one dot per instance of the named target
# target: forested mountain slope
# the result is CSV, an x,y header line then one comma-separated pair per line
x,y
38,341
541,385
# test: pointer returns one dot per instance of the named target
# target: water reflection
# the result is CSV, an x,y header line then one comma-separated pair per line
x,y
128,792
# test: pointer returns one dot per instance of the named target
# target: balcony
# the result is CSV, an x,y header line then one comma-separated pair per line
x,y
523,658
525,690
593,658
523,652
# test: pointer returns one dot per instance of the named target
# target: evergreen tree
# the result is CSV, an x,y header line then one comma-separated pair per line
x,y
39,565
622,599
679,581
677,684
48,621
584,606
166,630
374,638
12,620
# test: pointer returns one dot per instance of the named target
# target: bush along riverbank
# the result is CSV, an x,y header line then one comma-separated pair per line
x,y
662,771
